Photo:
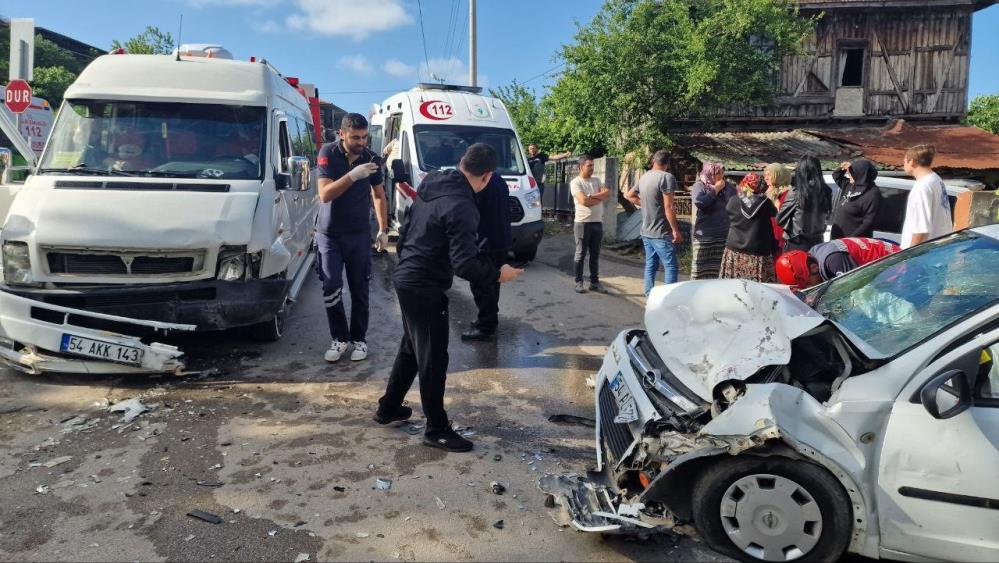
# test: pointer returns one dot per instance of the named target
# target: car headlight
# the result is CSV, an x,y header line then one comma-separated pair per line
x,y
533,198
232,267
17,263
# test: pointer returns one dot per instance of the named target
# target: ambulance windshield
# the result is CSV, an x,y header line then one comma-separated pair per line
x,y
441,146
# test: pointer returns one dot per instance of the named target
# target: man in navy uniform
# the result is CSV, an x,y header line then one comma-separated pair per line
x,y
350,179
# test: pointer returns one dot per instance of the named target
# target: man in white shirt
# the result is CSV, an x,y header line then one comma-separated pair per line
x,y
589,195
927,211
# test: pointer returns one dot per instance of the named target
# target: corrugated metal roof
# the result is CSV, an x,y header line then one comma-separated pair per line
x,y
833,4
957,146
753,151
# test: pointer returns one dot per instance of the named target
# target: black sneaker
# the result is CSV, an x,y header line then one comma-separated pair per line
x,y
397,414
598,287
477,334
447,440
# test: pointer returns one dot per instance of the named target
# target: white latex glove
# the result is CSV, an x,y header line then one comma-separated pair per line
x,y
362,171
381,241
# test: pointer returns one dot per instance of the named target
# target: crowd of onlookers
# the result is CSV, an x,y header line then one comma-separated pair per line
x,y
767,228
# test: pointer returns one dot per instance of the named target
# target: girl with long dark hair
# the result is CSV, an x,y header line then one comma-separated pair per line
x,y
805,211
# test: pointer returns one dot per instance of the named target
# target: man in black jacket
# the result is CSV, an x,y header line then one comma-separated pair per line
x,y
494,243
437,242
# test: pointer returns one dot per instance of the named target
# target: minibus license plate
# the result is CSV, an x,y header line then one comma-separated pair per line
x,y
72,344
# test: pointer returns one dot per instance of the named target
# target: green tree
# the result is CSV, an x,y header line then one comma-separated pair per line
x,y
640,65
51,82
984,113
152,41
525,111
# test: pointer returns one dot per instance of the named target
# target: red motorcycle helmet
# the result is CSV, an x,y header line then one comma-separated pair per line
x,y
792,269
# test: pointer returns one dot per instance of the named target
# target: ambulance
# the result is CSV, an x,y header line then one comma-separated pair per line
x,y
432,125
175,193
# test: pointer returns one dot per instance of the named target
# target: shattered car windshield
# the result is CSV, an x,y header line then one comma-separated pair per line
x,y
157,139
905,298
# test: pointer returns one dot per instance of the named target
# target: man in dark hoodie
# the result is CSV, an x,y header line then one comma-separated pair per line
x,y
859,199
437,242
494,242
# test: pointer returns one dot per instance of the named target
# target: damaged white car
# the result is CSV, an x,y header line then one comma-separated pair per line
x,y
860,416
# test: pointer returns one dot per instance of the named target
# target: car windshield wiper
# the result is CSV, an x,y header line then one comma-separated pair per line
x,y
163,174
83,169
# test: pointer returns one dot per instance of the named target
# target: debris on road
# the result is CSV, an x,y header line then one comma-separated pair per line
x,y
362,535
131,408
272,533
497,457
572,420
206,516
440,503
339,489
498,525
497,488
211,484
41,489
415,428
383,484
57,461
302,557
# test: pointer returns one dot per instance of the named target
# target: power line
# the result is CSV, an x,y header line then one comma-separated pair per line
x,y
423,34
451,24
461,43
537,76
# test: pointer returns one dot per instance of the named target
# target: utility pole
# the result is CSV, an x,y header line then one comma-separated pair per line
x,y
472,64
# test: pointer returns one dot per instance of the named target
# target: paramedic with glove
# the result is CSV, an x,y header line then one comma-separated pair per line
x,y
350,179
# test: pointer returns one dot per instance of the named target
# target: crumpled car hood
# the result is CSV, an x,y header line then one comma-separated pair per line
x,y
711,331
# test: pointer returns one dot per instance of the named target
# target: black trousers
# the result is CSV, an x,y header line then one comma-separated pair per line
x,y
588,237
423,352
486,296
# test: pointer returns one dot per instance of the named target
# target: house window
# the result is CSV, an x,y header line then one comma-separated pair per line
x,y
852,65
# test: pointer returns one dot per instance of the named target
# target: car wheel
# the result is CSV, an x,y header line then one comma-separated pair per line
x,y
526,254
772,509
269,331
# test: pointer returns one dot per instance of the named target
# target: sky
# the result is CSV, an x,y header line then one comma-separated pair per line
x,y
359,52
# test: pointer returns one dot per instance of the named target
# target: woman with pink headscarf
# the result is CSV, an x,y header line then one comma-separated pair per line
x,y
750,248
710,194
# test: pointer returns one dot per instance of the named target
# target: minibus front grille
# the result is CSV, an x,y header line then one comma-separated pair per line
x,y
95,264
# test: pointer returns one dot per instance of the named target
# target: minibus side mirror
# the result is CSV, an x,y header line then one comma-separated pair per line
x,y
298,176
399,172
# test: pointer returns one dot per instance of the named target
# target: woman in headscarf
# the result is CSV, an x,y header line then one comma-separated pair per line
x,y
750,247
710,194
778,179
859,199
806,209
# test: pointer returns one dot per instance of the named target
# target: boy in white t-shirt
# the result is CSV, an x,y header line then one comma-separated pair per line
x,y
927,211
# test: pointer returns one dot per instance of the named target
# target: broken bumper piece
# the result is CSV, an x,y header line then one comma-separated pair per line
x,y
32,334
591,507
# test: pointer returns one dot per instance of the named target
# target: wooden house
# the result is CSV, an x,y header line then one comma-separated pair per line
x,y
871,60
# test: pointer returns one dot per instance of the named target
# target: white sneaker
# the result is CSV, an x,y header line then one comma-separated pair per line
x,y
360,351
336,350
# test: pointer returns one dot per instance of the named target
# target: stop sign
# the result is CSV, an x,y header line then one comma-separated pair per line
x,y
17,96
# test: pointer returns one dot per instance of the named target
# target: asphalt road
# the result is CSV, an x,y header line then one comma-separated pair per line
x,y
281,445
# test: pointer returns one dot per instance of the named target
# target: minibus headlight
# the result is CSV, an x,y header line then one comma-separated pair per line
x,y
17,264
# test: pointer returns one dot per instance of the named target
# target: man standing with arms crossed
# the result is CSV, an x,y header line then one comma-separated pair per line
x,y
927,210
437,241
350,179
589,195
660,229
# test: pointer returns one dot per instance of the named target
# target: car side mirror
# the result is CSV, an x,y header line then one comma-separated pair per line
x,y
6,159
947,395
298,176
399,172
